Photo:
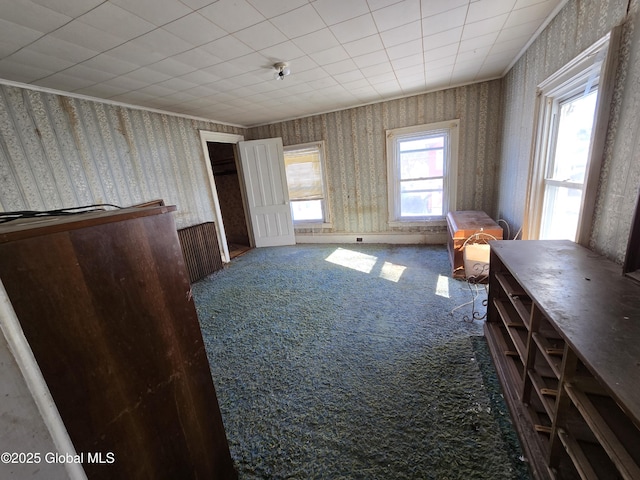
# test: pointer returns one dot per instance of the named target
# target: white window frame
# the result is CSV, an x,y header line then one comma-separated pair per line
x,y
451,128
594,67
326,221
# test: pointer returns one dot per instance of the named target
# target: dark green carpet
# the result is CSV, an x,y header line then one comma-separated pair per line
x,y
353,368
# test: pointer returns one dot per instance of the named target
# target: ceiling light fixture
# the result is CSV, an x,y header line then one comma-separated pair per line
x,y
282,70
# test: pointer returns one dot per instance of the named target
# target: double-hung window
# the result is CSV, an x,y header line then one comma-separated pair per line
x,y
573,108
305,181
422,170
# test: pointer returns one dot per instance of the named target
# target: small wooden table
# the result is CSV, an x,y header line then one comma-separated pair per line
x,y
462,225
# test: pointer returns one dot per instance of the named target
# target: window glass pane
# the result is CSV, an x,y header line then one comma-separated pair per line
x,y
422,143
574,137
307,210
304,173
561,213
421,198
421,164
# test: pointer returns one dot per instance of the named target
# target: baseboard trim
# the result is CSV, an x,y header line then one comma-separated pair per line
x,y
431,238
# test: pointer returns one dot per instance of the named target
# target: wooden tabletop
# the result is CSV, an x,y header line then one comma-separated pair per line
x,y
593,306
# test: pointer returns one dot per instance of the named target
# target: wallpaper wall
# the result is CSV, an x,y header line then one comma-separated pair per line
x,y
355,148
577,26
61,152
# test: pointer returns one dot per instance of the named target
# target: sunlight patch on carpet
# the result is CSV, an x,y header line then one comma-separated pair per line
x,y
442,287
351,259
391,271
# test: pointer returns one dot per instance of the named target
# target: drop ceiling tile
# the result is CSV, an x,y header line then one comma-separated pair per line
x,y
62,49
14,36
341,67
331,55
87,35
396,15
71,8
32,15
261,35
444,21
101,90
493,24
224,70
443,39
284,51
431,7
528,3
538,11
148,75
441,62
172,67
232,15
197,58
382,78
413,47
310,75
126,83
370,59
162,42
109,63
298,22
117,21
200,77
378,4
336,11
364,45
479,41
90,74
408,61
19,72
136,53
355,29
177,84
46,63
398,35
317,41
388,88
302,64
274,8
195,29
157,12
475,55
520,33
63,82
484,9
442,52
227,48
379,69
197,4
348,76
252,62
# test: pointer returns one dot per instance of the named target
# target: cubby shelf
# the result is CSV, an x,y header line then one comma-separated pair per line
x,y
562,342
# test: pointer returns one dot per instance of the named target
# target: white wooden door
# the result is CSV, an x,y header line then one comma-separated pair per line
x,y
262,164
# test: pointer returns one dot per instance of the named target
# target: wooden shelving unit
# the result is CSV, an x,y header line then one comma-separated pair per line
x,y
563,327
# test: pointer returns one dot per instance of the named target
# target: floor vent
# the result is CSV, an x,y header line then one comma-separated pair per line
x,y
200,250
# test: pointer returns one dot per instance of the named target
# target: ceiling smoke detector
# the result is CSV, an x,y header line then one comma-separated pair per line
x,y
282,70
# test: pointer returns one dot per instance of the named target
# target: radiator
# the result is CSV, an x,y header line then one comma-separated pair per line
x,y
200,250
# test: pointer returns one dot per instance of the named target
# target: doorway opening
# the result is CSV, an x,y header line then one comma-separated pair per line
x,y
227,183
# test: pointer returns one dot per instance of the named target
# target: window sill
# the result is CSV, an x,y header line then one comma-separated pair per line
x,y
312,225
436,222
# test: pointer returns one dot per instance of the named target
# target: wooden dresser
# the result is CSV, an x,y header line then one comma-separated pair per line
x,y
563,328
461,226
105,304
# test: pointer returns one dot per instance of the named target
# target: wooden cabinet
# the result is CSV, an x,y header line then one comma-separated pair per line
x,y
104,302
461,227
563,328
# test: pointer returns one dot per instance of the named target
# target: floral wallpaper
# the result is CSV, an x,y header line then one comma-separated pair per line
x,y
356,165
579,24
62,152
